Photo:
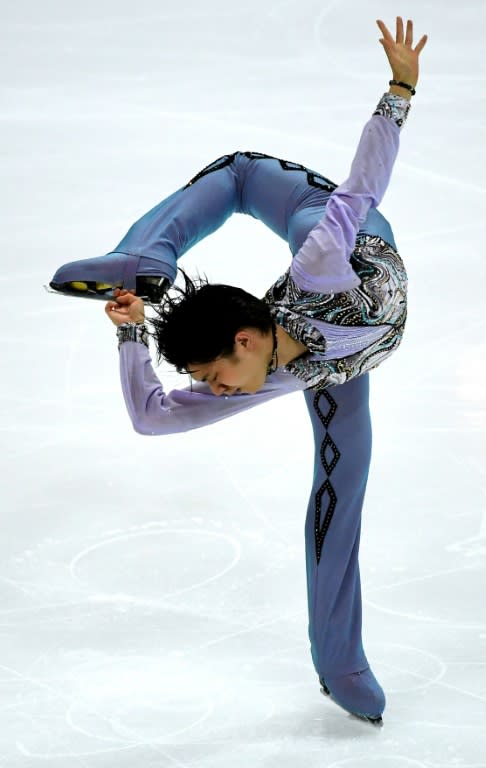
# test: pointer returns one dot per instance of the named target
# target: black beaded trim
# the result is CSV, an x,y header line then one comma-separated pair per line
x,y
403,85
313,179
132,332
322,526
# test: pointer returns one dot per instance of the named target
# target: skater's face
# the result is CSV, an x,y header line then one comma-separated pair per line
x,y
245,372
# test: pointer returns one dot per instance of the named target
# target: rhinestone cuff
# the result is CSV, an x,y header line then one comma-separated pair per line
x,y
394,107
132,332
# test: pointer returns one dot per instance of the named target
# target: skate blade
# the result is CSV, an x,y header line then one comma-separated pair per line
x,y
105,294
376,721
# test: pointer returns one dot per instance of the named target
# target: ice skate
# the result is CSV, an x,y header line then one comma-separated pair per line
x,y
359,694
149,289
98,278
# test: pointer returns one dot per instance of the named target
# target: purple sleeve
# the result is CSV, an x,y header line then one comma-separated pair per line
x,y
153,412
322,263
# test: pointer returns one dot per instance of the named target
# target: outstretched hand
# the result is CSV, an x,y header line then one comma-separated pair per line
x,y
402,57
127,308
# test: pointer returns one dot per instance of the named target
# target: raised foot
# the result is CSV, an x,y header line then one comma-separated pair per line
x,y
149,289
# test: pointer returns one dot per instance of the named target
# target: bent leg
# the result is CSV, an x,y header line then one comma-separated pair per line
x,y
342,432
153,244
259,185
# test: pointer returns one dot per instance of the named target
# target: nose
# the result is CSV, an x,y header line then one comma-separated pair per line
x,y
217,389
221,389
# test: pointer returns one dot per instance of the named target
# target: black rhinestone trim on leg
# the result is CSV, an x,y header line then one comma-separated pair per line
x,y
313,179
326,489
325,418
322,526
328,443
221,162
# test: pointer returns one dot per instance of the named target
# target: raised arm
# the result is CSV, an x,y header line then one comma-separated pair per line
x,y
403,59
322,264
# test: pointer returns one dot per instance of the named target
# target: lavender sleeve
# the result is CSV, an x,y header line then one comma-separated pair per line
x,y
153,412
322,263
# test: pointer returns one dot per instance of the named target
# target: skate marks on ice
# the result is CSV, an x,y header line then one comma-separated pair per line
x,y
211,558
115,586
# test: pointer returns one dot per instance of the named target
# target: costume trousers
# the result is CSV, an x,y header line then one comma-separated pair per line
x,y
290,199
287,197
341,423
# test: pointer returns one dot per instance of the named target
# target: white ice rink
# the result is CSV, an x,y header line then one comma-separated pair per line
x,y
152,590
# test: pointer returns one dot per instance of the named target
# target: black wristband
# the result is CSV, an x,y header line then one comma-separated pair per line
x,y
403,85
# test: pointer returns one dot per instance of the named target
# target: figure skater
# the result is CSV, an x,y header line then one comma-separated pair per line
x,y
337,312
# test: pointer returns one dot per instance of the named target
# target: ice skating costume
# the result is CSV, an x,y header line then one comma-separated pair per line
x,y
344,296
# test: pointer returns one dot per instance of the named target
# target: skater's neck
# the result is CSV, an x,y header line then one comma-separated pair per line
x,y
288,349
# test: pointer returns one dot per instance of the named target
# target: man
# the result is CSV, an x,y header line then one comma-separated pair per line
x,y
338,311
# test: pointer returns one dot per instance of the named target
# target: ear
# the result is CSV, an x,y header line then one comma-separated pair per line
x,y
244,339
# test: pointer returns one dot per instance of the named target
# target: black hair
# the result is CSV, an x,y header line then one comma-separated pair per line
x,y
199,324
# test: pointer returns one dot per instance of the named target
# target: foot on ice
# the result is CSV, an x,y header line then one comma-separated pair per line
x,y
358,693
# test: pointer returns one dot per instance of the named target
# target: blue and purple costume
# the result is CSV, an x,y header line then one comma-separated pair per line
x,y
343,296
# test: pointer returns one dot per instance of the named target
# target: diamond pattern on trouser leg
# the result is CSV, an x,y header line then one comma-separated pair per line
x,y
331,445
326,492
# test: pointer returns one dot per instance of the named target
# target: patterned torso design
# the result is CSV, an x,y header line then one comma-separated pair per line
x,y
381,299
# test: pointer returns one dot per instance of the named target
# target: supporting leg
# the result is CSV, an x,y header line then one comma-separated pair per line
x,y
342,433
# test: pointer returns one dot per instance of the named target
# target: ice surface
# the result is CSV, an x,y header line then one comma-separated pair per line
x,y
152,591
